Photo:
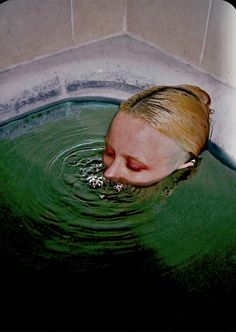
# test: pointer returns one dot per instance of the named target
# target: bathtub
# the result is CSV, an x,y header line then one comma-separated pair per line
x,y
116,67
113,289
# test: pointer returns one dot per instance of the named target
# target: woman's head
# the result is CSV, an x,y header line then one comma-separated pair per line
x,y
155,133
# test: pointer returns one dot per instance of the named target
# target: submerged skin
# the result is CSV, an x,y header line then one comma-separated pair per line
x,y
137,154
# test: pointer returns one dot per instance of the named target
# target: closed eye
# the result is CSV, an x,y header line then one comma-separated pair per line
x,y
133,167
109,152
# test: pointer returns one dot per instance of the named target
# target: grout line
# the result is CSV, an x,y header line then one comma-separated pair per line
x,y
205,34
125,17
114,35
58,52
198,68
72,20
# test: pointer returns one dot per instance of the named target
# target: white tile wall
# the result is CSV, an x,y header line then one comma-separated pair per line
x,y
219,57
178,26
32,28
199,32
94,19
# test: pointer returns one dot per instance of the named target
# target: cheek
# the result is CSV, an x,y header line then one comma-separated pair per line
x,y
141,179
149,177
161,172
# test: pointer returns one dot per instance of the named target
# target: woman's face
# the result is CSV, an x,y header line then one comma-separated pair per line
x,y
137,154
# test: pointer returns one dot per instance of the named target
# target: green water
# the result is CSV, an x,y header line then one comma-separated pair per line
x,y
51,209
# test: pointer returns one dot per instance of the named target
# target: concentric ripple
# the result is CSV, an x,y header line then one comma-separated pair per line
x,y
54,175
52,188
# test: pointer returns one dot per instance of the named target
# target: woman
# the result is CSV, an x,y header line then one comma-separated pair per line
x,y
157,132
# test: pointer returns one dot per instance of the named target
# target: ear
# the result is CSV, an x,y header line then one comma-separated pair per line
x,y
188,164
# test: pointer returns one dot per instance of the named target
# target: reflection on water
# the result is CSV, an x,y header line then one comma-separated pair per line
x,y
59,216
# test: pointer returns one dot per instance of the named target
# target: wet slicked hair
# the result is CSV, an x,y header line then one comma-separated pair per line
x,y
181,113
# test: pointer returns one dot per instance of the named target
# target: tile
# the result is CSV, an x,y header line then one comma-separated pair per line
x,y
220,49
29,29
177,26
97,18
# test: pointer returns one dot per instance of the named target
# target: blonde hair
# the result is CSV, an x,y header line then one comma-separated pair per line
x,y
179,112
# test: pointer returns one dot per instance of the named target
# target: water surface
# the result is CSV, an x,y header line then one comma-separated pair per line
x,y
171,247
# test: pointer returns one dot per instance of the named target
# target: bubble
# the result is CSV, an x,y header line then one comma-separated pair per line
x,y
63,192
95,181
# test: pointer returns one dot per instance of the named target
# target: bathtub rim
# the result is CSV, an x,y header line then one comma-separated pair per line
x,y
108,100
211,146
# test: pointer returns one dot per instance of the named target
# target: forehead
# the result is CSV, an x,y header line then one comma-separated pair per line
x,y
130,125
132,134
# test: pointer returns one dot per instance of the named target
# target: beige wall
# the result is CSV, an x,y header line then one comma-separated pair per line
x,y
30,28
34,28
220,50
200,32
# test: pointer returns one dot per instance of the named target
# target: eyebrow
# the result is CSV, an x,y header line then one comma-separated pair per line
x,y
126,156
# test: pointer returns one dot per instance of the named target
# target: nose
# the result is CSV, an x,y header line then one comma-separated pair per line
x,y
114,172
